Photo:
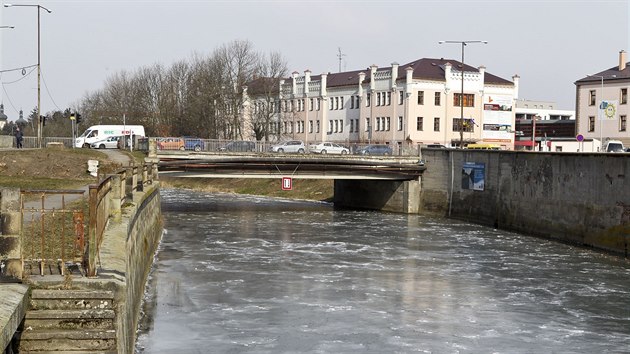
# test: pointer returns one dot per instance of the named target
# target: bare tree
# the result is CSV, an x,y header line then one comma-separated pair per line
x,y
264,106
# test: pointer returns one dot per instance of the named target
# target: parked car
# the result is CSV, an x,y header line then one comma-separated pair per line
x,y
192,143
171,144
328,148
375,150
239,146
109,143
291,146
614,146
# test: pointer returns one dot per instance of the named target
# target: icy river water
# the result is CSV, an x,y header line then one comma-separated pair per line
x,y
239,274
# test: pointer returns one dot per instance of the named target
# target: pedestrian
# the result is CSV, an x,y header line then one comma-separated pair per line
x,y
18,138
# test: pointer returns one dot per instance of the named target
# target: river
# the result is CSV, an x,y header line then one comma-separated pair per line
x,y
242,274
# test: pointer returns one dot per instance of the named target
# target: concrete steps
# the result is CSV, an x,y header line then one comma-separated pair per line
x,y
69,321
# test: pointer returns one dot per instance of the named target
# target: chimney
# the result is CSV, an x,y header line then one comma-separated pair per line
x,y
622,60
394,73
515,80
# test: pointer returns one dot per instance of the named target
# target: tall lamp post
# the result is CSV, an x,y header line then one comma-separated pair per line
x,y
39,71
461,99
601,137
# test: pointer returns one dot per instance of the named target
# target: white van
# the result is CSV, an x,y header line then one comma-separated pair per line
x,y
100,132
614,146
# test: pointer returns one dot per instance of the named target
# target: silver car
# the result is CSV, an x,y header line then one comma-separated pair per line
x,y
328,148
291,146
109,143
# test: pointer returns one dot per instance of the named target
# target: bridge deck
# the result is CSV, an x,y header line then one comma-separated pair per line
x,y
213,165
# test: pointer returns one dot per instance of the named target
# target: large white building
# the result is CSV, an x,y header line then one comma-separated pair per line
x,y
602,103
406,105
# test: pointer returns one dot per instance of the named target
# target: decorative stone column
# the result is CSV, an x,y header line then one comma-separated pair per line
x,y
10,227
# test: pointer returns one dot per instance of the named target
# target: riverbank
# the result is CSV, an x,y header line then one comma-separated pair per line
x,y
308,189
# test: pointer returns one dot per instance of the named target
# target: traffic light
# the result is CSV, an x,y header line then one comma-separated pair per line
x,y
78,117
42,119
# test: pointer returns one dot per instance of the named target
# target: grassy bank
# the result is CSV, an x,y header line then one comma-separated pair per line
x,y
321,190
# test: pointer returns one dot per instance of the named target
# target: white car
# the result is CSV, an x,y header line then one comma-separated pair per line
x,y
109,143
328,148
294,146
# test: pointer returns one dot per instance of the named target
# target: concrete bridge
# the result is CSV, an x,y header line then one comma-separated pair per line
x,y
368,182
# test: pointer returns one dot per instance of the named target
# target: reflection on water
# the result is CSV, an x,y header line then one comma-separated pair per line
x,y
245,274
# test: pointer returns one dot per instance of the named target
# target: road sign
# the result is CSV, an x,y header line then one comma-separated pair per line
x,y
287,183
579,137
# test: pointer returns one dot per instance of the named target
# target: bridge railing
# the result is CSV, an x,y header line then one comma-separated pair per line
x,y
107,199
243,146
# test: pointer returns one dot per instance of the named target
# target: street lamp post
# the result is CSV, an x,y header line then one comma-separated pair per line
x,y
39,71
461,99
601,137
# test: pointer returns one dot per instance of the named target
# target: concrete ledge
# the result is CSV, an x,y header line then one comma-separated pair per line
x,y
13,305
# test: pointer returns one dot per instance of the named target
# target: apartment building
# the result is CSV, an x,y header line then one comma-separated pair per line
x,y
408,105
602,103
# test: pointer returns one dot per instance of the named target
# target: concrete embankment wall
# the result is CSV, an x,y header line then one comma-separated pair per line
x,y
126,257
577,198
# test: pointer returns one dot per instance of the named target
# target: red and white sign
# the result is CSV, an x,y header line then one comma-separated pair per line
x,y
287,183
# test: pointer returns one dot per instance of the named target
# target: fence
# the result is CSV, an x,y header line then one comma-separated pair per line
x,y
53,237
106,201
235,146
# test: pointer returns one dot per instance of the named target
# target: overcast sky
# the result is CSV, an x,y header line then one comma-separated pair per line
x,y
549,43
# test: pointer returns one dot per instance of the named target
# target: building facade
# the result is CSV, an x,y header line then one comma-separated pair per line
x,y
602,103
409,105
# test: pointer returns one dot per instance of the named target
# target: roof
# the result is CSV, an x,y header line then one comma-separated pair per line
x,y
264,85
426,68
611,74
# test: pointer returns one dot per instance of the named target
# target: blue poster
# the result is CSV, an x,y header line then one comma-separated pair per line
x,y
474,176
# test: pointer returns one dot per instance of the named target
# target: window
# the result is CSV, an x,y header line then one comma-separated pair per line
x,y
622,123
420,97
310,126
591,123
341,102
387,123
317,127
378,124
336,102
400,123
419,123
389,98
401,96
591,101
351,125
378,98
332,104
310,104
336,126
351,102
367,124
341,126
436,124
319,103
624,96
330,126
437,99
469,126
367,100
356,125
469,100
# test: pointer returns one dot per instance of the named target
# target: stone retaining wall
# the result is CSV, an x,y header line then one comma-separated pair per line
x,y
574,197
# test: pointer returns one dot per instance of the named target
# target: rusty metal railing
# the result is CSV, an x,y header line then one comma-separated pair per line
x,y
51,236
106,200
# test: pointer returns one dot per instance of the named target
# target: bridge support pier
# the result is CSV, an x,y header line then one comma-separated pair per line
x,y
394,196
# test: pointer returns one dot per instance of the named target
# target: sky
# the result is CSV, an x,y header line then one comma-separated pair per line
x,y
550,44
